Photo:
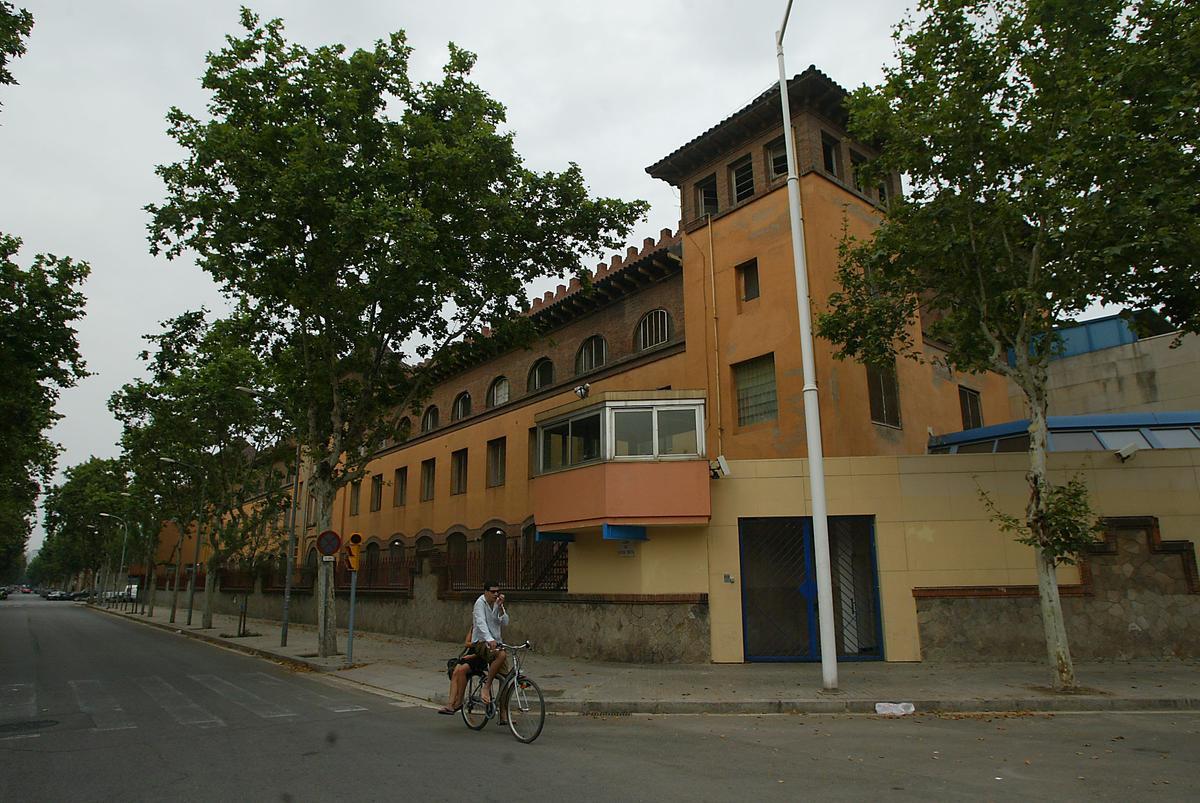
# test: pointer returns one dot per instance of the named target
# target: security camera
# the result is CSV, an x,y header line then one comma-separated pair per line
x,y
1127,451
582,390
719,468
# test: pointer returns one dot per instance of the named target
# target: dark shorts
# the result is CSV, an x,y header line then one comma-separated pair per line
x,y
485,655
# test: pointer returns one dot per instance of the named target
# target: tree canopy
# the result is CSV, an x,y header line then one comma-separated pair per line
x,y
1051,151
39,355
365,220
15,25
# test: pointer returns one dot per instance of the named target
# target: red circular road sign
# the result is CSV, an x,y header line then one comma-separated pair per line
x,y
329,542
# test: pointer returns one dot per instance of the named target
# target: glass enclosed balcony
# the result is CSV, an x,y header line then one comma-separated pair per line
x,y
622,458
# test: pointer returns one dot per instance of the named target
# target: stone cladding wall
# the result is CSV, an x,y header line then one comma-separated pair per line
x,y
1140,599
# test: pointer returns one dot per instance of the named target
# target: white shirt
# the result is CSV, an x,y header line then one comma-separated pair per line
x,y
487,621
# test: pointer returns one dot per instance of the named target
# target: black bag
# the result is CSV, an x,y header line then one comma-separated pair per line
x,y
450,665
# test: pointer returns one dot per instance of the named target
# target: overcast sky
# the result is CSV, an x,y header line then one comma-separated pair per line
x,y
613,86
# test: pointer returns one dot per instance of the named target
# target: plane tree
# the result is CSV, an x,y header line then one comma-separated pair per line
x,y
1050,150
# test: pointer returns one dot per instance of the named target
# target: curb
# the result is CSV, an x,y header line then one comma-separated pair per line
x,y
1067,704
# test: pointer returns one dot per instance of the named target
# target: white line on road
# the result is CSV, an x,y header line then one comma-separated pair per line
x,y
105,711
17,702
175,703
246,699
309,696
20,736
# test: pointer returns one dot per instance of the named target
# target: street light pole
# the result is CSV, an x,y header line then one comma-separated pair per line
x,y
124,541
812,410
290,560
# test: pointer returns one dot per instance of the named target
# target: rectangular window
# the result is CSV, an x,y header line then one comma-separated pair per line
x,y
755,384
884,192
633,433
972,413
458,472
428,478
355,493
883,388
677,431
310,510
706,196
857,163
570,443
831,155
741,179
777,158
496,459
376,492
747,279
400,487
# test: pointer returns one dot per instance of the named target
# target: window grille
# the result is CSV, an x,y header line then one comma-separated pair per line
x,y
755,381
741,178
592,354
498,392
653,329
462,407
777,158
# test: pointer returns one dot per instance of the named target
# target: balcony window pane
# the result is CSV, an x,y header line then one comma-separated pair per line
x,y
1074,442
585,439
1120,438
1176,438
677,431
554,446
633,432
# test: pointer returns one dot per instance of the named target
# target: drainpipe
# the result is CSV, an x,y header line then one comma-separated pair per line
x,y
812,410
712,288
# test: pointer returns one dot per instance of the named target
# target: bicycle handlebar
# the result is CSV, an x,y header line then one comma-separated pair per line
x,y
528,645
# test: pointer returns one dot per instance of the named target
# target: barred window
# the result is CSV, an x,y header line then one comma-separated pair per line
x,y
883,389
498,392
706,196
653,329
741,179
777,158
755,382
592,354
462,406
429,421
541,375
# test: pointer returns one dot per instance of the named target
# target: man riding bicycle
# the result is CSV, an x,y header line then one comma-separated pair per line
x,y
488,617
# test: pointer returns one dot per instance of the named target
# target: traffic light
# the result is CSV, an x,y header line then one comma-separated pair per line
x,y
352,550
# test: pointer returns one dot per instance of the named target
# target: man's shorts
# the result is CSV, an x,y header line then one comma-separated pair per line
x,y
486,654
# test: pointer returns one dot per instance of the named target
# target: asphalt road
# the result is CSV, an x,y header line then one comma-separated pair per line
x,y
96,708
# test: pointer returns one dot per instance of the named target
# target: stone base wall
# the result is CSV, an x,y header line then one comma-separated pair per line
x,y
641,630
1140,598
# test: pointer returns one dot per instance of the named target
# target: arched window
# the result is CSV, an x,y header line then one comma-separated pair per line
x,y
429,421
592,354
371,563
653,329
403,430
498,392
462,406
495,544
541,375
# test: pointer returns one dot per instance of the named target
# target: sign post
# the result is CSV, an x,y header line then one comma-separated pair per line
x,y
352,556
328,544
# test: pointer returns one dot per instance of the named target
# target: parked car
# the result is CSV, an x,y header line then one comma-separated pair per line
x,y
80,594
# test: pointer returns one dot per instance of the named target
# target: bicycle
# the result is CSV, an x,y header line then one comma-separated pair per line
x,y
520,697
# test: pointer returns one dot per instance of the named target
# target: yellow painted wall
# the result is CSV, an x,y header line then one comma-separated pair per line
x,y
672,561
930,527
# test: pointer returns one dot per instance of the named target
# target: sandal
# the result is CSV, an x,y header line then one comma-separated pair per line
x,y
448,711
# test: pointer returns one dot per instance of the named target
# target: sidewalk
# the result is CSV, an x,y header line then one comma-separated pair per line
x,y
415,668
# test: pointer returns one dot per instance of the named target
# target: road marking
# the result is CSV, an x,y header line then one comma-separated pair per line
x,y
307,695
21,736
246,699
105,711
175,703
17,701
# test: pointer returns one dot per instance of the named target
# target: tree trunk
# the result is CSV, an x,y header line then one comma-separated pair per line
x,y
210,586
326,600
175,584
1058,650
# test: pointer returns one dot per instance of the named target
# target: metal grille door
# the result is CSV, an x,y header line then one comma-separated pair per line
x,y
779,620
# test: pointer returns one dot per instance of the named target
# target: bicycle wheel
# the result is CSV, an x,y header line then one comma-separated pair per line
x,y
474,709
526,709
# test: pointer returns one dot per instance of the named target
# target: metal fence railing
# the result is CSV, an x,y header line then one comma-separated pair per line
x,y
523,565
